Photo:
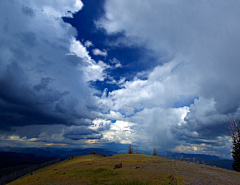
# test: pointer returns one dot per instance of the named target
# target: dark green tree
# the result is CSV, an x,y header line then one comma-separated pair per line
x,y
234,128
236,152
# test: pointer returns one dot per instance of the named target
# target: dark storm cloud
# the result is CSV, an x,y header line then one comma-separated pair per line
x,y
24,104
77,133
43,84
75,61
21,104
38,85
28,39
79,137
28,11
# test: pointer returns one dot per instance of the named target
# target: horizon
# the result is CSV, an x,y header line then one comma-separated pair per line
x,y
109,73
162,153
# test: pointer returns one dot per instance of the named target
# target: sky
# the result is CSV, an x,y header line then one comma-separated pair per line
x,y
108,73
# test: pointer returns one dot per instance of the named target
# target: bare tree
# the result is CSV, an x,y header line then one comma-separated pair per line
x,y
154,151
130,150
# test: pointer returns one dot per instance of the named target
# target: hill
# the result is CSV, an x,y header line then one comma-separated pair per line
x,y
136,169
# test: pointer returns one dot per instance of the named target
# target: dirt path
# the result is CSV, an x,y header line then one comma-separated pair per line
x,y
196,174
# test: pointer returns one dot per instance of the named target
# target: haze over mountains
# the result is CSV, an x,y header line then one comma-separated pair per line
x,y
66,153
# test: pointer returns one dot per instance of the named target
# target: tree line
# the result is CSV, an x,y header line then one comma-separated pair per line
x,y
130,150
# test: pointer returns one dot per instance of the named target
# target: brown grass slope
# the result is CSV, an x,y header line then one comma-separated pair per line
x,y
95,169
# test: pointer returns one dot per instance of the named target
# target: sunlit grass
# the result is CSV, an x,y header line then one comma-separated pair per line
x,y
95,169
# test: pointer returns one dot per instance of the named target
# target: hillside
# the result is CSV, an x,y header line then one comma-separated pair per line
x,y
136,169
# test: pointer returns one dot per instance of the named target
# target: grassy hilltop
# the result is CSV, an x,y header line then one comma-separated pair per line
x,y
136,169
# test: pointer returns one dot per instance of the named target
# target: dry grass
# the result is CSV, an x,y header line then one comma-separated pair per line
x,y
95,169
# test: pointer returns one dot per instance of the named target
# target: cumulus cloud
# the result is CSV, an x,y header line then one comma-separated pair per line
x,y
201,41
88,43
44,71
182,103
77,48
99,52
118,132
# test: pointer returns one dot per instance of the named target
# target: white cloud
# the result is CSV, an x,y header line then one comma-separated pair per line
x,y
99,52
202,39
88,43
120,131
118,65
104,65
162,82
116,62
95,71
121,81
77,48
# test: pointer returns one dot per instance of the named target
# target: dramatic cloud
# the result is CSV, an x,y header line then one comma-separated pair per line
x,y
201,38
161,74
44,70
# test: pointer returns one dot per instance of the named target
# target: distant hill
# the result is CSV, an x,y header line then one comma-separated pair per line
x,y
185,155
86,151
35,151
201,159
61,152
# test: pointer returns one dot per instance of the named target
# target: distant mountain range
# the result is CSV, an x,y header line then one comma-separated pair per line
x,y
66,153
211,160
58,152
